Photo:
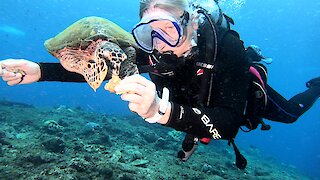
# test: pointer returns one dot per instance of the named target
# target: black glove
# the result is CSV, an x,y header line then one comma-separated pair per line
x,y
189,145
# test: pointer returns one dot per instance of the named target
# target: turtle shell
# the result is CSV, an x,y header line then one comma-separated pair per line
x,y
81,33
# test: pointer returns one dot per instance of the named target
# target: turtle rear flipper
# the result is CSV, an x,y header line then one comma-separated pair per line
x,y
128,68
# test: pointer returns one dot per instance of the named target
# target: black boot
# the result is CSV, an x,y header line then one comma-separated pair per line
x,y
313,83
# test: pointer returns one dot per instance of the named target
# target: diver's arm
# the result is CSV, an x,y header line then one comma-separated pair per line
x,y
216,123
56,72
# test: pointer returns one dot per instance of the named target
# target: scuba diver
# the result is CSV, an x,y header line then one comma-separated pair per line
x,y
203,80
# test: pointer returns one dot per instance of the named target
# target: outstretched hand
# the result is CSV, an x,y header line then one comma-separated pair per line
x,y
19,71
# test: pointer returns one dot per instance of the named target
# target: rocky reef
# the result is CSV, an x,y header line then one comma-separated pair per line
x,y
66,143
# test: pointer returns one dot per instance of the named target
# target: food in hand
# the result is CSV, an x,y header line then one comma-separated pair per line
x,y
113,82
2,68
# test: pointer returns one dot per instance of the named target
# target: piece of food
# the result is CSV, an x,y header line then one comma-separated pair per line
x,y
19,71
113,82
11,70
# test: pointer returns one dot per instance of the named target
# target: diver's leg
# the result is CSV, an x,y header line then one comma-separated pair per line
x,y
313,83
306,99
280,110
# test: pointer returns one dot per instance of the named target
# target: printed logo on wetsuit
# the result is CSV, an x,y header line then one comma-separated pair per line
x,y
212,130
181,112
200,72
196,110
206,121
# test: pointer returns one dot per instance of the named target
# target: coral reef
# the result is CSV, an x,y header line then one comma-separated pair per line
x,y
55,144
52,126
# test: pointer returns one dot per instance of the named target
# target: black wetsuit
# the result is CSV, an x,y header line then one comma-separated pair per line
x,y
223,117
228,96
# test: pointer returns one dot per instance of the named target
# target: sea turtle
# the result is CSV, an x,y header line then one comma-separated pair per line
x,y
93,45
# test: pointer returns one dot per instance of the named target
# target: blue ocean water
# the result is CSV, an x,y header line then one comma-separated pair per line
x,y
287,31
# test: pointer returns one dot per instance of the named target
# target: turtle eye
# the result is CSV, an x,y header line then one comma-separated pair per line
x,y
91,63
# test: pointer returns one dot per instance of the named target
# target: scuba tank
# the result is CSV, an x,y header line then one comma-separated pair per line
x,y
209,16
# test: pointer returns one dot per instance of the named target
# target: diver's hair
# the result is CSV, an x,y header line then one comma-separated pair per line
x,y
171,6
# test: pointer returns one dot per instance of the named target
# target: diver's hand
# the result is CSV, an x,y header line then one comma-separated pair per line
x,y
19,71
140,93
142,96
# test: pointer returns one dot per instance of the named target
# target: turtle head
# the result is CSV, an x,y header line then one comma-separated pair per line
x,y
98,62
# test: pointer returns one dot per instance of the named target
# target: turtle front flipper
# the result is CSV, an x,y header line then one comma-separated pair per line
x,y
113,55
129,67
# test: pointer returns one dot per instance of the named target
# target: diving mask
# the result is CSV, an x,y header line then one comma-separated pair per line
x,y
167,29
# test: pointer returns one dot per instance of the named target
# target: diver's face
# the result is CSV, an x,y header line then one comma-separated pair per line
x,y
169,29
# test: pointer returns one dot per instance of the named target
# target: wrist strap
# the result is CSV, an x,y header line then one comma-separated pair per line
x,y
163,105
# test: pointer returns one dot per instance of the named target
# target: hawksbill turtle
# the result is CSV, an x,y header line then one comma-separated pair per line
x,y
96,48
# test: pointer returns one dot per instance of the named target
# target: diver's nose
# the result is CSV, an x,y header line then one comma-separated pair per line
x,y
159,45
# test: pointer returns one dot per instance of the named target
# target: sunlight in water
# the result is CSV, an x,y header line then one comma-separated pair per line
x,y
231,7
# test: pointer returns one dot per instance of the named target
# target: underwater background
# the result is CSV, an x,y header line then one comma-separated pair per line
x,y
287,31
